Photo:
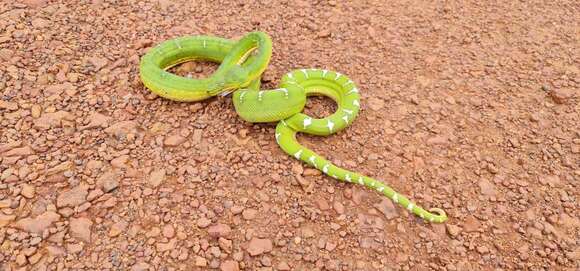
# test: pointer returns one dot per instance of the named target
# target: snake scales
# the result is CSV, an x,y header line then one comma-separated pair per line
x,y
242,63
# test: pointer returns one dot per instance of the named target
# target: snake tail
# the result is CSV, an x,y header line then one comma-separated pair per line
x,y
286,138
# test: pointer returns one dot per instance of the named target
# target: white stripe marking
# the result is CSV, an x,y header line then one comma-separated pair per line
x,y
330,125
298,154
307,122
242,96
325,168
260,93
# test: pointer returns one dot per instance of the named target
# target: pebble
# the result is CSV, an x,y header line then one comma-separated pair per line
x,y
122,128
109,181
230,265
140,266
258,246
561,96
453,230
376,104
96,120
219,230
6,219
174,140
387,208
487,188
157,177
200,261
203,222
249,214
471,224
117,228
168,231
38,224
338,207
283,266
80,229
27,191
73,197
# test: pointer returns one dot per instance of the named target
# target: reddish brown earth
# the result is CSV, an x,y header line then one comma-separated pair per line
x,y
467,106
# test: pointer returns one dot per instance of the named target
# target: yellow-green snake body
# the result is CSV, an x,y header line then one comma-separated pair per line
x,y
241,64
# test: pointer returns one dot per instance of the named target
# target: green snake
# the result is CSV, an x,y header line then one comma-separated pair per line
x,y
242,63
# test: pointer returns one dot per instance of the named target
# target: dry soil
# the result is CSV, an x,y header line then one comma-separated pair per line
x,y
470,106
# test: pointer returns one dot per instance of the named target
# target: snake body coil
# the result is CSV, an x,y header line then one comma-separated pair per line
x,y
242,64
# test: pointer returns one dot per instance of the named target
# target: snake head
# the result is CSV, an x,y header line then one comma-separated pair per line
x,y
234,78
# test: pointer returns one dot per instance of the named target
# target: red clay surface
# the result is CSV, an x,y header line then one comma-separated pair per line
x,y
469,106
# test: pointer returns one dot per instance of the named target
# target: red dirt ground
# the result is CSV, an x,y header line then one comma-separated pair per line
x,y
470,106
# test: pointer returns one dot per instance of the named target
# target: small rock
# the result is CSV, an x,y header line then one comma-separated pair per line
x,y
471,224
338,207
487,188
80,229
58,89
482,249
35,3
157,177
249,214
561,96
62,167
8,105
6,219
95,194
168,231
387,208
376,104
311,172
23,151
98,62
283,266
27,191
109,181
219,230
200,261
229,265
73,197
203,222
96,120
39,224
121,129
53,120
35,111
174,140
258,246
162,247
118,228
74,248
5,203
140,266
453,230
322,204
